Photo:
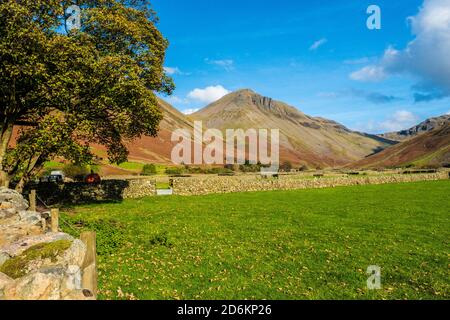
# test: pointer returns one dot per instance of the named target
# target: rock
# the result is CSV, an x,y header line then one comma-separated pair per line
x,y
75,254
4,280
43,255
72,280
11,197
50,283
19,246
3,257
30,217
42,285
35,265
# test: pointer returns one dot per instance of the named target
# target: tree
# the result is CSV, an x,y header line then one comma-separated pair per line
x,y
96,84
286,166
149,169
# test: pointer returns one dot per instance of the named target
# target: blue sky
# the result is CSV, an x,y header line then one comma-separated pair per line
x,y
318,56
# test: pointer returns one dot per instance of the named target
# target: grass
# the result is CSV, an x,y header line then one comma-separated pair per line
x,y
305,244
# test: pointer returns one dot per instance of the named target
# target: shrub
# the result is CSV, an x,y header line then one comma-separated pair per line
x,y
175,170
75,171
286,166
160,239
149,169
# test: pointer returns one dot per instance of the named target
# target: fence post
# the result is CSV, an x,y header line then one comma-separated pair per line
x,y
55,219
89,267
32,198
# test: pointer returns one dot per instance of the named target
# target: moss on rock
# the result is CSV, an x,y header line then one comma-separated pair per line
x,y
17,267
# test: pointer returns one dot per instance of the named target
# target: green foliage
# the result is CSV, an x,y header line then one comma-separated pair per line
x,y
149,169
95,85
300,244
160,239
76,172
248,167
207,170
175,170
110,232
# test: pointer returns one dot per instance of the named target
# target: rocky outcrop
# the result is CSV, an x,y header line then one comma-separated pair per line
x,y
36,264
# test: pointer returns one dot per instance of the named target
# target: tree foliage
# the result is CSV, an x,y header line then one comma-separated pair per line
x,y
66,90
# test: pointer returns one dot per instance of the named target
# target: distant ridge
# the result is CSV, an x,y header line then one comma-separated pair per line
x,y
423,127
428,149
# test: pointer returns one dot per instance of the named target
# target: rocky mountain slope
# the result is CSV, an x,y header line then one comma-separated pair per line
x,y
428,149
313,141
423,127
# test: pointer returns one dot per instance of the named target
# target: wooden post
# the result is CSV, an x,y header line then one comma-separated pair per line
x,y
32,198
89,267
55,219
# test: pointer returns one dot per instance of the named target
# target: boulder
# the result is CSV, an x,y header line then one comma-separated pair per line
x,y
66,253
4,280
42,285
16,248
50,283
11,202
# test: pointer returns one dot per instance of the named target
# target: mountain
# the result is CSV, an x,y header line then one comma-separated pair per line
x,y
313,141
423,127
427,149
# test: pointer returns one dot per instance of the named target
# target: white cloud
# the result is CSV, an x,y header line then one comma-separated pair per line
x,y
448,113
426,57
190,111
227,64
318,44
176,100
208,94
400,120
174,70
369,73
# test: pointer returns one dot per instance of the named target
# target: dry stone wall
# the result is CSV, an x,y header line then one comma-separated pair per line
x,y
208,185
107,190
36,264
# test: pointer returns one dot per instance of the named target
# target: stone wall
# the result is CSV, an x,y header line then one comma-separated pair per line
x,y
208,185
36,264
107,190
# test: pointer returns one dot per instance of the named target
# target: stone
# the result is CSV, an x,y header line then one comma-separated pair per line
x,y
42,285
3,257
13,197
19,246
30,217
4,281
75,254
72,280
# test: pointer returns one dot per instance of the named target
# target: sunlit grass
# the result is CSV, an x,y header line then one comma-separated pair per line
x,y
306,244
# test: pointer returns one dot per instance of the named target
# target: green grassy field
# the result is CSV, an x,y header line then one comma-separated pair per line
x,y
306,244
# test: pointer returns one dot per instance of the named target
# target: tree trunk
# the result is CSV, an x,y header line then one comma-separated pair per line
x,y
5,137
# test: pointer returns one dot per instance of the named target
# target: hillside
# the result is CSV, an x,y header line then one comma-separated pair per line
x,y
314,141
423,127
429,149
149,149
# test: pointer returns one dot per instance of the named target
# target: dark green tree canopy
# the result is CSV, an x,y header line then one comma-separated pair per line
x,y
96,84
